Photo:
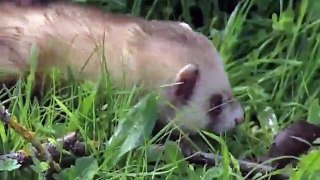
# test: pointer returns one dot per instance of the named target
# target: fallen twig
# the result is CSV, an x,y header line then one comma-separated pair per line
x,y
72,144
41,154
210,159
201,158
68,143
76,148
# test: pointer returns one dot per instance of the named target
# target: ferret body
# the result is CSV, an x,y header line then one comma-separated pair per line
x,y
151,53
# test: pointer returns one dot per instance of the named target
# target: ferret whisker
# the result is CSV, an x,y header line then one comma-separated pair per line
x,y
222,104
170,85
216,107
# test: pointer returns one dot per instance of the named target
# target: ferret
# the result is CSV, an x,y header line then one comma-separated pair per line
x,y
166,56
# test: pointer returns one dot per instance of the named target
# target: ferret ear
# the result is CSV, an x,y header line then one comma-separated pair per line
x,y
186,80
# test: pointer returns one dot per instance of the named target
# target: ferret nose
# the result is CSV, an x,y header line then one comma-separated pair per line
x,y
238,120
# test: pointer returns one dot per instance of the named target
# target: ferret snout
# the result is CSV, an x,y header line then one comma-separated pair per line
x,y
232,115
237,112
239,120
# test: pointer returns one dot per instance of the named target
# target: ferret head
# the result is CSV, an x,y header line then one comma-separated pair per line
x,y
202,99
201,94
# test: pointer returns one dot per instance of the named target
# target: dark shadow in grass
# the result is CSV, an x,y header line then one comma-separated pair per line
x,y
293,141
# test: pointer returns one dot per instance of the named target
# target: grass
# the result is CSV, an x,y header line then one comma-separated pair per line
x,y
270,49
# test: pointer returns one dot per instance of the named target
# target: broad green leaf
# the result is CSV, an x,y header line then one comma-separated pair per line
x,y
133,130
9,164
212,173
308,167
173,154
66,174
268,119
314,113
86,167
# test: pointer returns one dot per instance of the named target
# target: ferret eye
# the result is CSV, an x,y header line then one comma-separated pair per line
x,y
215,105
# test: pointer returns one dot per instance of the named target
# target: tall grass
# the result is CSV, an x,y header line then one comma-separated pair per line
x,y
270,49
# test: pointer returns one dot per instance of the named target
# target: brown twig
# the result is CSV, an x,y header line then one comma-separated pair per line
x,y
71,143
210,159
201,158
29,136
